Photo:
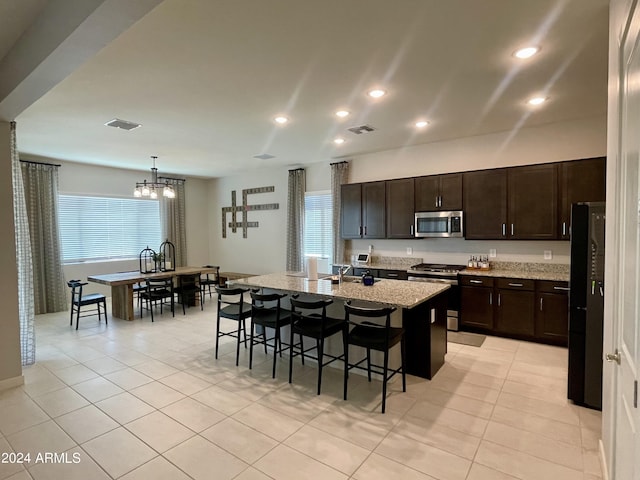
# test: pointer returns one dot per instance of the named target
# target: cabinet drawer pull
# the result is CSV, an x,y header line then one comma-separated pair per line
x,y
564,289
490,298
541,299
516,285
411,230
392,274
476,281
564,228
365,229
512,229
436,201
360,230
504,229
498,299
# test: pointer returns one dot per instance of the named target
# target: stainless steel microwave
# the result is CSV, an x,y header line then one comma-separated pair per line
x,y
438,224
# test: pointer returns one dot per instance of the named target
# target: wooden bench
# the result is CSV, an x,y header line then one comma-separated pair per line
x,y
224,276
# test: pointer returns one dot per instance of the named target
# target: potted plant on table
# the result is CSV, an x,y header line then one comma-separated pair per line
x,y
158,258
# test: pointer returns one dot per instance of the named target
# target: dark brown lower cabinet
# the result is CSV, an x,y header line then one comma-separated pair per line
x,y
534,310
476,307
552,312
514,312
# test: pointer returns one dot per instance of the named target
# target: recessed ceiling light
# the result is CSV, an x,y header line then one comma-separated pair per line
x,y
537,101
342,113
377,93
338,141
281,119
526,52
422,123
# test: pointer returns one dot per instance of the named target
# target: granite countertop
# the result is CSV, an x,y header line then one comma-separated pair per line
x,y
390,292
527,271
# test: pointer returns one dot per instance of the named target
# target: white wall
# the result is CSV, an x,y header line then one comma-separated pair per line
x,y
264,249
79,178
10,363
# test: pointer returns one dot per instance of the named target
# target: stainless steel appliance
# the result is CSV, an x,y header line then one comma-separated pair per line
x,y
441,273
586,304
438,224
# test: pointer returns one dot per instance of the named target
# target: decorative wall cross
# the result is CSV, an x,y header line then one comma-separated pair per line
x,y
244,209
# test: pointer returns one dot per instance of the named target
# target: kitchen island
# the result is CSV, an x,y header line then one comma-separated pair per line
x,y
422,309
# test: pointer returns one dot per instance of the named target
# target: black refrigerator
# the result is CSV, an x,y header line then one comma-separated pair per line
x,y
586,304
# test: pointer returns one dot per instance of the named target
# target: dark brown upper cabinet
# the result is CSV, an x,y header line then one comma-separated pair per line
x,y
579,181
438,192
400,212
363,210
533,202
485,204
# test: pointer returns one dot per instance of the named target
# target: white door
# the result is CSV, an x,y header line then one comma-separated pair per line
x,y
627,222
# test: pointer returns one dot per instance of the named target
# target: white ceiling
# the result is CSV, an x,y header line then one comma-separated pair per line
x,y
205,79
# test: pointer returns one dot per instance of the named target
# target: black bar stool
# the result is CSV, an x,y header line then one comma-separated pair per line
x,y
266,316
231,305
309,319
373,336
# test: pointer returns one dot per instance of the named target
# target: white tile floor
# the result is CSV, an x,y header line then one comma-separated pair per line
x,y
141,400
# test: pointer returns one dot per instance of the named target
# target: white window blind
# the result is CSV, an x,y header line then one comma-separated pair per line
x,y
103,228
317,224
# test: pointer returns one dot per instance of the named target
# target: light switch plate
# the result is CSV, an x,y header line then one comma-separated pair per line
x,y
493,253
409,250
548,255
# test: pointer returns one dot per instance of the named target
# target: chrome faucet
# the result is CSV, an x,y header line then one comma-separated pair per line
x,y
343,271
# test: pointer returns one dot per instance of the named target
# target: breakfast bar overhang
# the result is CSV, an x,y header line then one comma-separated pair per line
x,y
422,306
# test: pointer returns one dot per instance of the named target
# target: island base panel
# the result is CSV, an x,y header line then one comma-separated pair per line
x,y
426,336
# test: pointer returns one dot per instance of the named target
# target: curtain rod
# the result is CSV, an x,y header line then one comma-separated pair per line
x,y
296,169
338,163
41,163
172,178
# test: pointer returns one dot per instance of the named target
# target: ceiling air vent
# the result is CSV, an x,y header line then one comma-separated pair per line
x,y
361,129
264,156
123,124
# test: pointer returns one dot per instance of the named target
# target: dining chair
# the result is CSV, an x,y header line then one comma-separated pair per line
x,y
309,319
187,290
379,336
231,305
206,282
79,300
267,313
159,290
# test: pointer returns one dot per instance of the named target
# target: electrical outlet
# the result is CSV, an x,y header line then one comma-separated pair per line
x,y
409,250
548,255
370,248
493,253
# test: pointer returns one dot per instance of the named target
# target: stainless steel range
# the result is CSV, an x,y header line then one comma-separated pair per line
x,y
441,273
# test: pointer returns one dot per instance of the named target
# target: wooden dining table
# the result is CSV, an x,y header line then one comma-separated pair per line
x,y
122,286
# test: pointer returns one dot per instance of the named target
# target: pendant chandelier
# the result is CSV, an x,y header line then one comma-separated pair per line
x,y
151,189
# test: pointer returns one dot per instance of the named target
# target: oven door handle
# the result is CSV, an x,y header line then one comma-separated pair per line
x,y
433,280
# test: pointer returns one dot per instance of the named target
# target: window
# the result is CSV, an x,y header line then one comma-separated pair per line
x,y
317,225
105,228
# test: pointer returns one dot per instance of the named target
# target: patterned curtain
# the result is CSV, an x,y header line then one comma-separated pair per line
x,y
295,219
172,215
23,258
41,197
339,176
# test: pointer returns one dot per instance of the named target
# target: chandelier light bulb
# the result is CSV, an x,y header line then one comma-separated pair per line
x,y
145,191
153,194
137,193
